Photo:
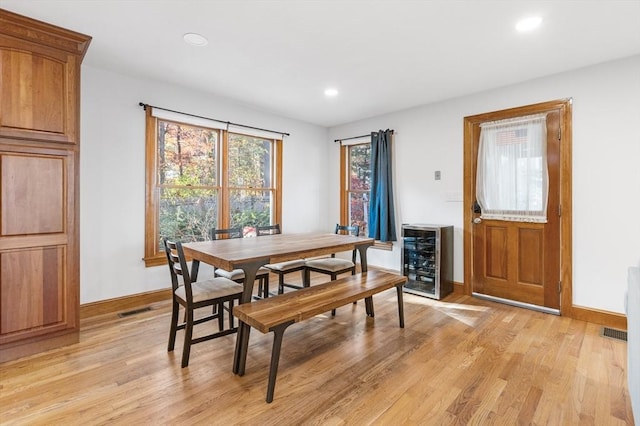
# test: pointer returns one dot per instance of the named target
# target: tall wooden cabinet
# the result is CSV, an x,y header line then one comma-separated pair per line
x,y
39,208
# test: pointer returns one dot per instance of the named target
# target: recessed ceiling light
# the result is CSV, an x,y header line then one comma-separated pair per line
x,y
195,39
331,92
528,24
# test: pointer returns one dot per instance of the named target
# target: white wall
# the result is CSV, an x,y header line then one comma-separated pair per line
x,y
606,170
606,173
112,176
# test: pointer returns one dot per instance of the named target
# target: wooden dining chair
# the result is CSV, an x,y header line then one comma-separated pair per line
x,y
194,295
263,230
237,275
283,268
333,266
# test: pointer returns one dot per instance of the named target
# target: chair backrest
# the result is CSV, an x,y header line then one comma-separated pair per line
x,y
178,266
219,234
268,230
348,229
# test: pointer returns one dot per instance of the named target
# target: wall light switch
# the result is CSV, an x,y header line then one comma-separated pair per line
x,y
437,174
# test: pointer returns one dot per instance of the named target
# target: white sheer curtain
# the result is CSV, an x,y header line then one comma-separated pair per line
x,y
512,178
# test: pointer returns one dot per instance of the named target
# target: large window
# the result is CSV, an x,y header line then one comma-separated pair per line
x,y
200,178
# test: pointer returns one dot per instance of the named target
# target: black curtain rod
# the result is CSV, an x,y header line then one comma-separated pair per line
x,y
355,137
228,123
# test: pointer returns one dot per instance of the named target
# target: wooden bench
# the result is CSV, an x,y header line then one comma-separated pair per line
x,y
279,312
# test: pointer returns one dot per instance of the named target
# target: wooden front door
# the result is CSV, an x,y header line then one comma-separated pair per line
x,y
512,260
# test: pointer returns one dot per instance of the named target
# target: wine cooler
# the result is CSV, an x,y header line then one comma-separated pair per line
x,y
427,259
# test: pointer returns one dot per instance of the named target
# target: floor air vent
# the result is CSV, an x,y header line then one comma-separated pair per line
x,y
612,333
141,310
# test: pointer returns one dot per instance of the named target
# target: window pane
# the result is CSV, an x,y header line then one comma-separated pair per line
x,y
360,167
187,214
249,162
250,208
187,155
529,184
512,176
359,210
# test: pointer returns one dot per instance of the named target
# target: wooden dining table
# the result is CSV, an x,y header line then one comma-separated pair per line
x,y
249,254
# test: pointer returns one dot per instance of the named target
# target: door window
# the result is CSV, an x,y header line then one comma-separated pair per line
x,y
512,178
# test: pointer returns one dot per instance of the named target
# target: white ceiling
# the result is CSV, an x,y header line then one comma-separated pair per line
x,y
383,56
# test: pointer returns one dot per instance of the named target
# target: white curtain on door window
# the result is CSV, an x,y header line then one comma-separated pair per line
x,y
512,181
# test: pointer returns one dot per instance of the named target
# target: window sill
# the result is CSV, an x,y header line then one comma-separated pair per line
x,y
386,245
155,261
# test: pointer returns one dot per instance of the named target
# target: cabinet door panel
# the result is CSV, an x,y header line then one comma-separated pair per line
x,y
32,194
38,94
32,283
33,92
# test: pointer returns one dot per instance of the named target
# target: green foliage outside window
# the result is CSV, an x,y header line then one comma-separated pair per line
x,y
249,173
188,164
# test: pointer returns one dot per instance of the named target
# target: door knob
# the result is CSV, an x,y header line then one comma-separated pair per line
x,y
477,220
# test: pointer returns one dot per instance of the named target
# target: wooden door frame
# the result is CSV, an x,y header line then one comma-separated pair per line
x,y
471,124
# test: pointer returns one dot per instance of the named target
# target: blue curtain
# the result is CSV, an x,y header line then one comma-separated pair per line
x,y
382,222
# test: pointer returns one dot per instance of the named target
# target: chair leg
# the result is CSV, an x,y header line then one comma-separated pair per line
x,y
281,283
220,316
400,306
231,319
333,278
174,326
353,272
306,278
265,279
188,333
333,311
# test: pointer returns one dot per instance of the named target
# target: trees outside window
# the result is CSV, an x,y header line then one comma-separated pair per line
x,y
187,181
250,181
356,184
201,178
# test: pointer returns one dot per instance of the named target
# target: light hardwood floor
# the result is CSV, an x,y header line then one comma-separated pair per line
x,y
458,361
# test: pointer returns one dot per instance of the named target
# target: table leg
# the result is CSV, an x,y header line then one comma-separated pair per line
x,y
242,345
242,339
195,266
362,250
250,270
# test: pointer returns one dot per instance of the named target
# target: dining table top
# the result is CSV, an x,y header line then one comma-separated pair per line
x,y
231,253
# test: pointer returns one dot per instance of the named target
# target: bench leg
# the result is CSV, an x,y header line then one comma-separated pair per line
x,y
242,343
400,306
278,332
368,304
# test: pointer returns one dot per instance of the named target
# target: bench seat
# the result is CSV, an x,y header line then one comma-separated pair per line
x,y
276,313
